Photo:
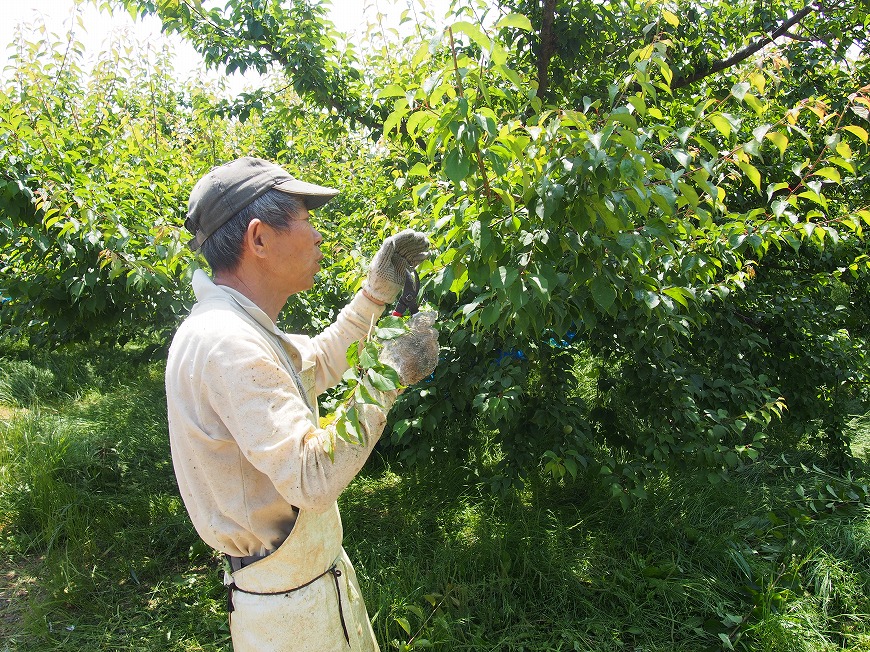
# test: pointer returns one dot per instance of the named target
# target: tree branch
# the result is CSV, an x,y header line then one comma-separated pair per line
x,y
748,51
797,37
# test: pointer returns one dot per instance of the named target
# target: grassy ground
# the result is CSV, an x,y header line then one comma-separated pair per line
x,y
96,552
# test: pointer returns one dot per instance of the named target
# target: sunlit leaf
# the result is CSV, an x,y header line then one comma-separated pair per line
x,y
723,126
779,139
752,173
858,131
832,174
517,21
740,89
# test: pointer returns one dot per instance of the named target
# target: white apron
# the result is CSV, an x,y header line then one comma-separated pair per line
x,y
312,600
326,615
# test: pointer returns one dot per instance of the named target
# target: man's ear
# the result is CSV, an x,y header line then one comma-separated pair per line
x,y
255,237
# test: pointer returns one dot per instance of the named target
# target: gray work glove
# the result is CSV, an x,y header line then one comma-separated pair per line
x,y
398,255
414,355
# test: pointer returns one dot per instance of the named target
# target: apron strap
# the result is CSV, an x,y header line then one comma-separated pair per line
x,y
332,570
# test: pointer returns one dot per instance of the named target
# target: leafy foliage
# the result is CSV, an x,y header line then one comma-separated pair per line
x,y
94,174
641,223
365,373
656,262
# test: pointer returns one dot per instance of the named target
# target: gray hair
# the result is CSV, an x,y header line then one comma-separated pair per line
x,y
223,248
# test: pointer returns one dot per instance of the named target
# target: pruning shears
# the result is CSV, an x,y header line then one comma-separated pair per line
x,y
408,303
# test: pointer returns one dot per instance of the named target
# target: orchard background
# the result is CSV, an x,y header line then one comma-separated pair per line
x,y
650,260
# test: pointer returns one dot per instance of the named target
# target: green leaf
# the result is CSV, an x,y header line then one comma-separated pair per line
x,y
740,89
422,55
779,139
395,117
389,333
688,193
517,295
683,157
723,126
774,188
509,74
858,131
752,173
400,427
368,357
391,374
393,90
456,165
846,165
362,394
490,315
603,292
504,277
353,431
349,376
417,120
571,465
670,18
390,327
679,295
474,32
640,106
419,170
352,355
755,104
665,198
381,381
404,624
832,174
540,284
813,196
517,21
759,132
651,299
391,321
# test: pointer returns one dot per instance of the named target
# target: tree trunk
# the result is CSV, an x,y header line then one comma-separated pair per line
x,y
548,45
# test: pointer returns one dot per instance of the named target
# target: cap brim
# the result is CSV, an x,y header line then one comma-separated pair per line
x,y
313,195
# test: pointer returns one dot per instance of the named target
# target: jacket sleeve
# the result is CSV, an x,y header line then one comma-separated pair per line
x,y
257,400
329,348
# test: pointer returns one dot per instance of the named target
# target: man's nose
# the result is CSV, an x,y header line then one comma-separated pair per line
x,y
318,239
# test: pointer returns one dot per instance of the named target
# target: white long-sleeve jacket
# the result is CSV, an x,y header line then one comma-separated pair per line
x,y
247,450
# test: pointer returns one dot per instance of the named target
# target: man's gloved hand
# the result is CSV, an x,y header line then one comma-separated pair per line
x,y
414,355
398,255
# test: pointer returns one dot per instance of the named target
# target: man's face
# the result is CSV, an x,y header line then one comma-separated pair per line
x,y
295,256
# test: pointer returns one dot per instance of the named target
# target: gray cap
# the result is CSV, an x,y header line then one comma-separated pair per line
x,y
229,188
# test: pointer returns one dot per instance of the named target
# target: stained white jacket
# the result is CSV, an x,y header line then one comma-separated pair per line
x,y
245,447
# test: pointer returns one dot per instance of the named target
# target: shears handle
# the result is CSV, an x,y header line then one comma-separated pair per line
x,y
407,303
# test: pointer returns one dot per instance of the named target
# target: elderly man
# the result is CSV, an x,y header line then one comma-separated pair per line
x,y
248,451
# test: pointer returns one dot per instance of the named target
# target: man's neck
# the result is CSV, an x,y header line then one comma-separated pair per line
x,y
253,290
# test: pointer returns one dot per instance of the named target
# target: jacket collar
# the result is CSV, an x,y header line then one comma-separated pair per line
x,y
207,290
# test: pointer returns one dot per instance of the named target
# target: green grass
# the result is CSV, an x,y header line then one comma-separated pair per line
x,y
98,554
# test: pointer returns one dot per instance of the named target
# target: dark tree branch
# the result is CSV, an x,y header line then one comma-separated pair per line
x,y
797,37
548,46
748,51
